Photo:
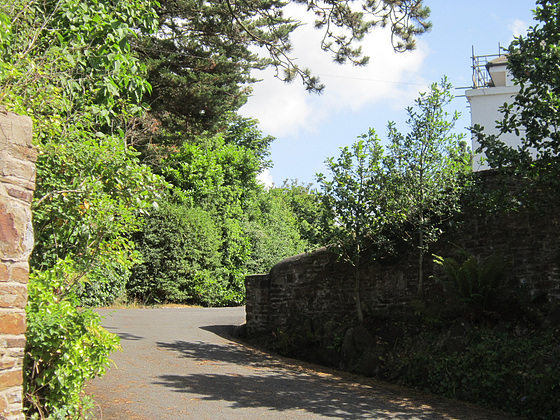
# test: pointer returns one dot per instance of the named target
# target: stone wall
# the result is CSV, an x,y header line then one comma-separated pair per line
x,y
311,287
316,286
17,183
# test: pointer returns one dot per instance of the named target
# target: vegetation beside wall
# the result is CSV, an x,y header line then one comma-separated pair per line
x,y
66,346
506,365
486,329
504,355
511,367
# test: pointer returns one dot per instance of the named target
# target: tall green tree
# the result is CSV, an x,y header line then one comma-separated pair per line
x,y
425,167
200,60
304,202
199,68
69,66
354,202
534,115
272,228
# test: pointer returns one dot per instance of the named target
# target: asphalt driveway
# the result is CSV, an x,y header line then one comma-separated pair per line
x,y
178,363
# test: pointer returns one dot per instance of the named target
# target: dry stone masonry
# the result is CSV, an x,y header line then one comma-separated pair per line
x,y
315,288
17,183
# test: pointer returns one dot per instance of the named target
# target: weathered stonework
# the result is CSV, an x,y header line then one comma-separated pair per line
x,y
317,288
17,183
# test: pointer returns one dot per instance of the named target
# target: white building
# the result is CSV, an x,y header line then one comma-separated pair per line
x,y
492,87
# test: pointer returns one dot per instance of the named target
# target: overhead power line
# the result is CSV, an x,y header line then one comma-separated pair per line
x,y
371,80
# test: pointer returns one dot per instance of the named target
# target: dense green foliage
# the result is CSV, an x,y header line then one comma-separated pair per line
x,y
66,346
213,174
508,366
499,368
305,204
219,224
221,179
69,66
90,193
274,232
181,259
196,255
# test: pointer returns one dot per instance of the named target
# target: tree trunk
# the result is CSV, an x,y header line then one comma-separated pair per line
x,y
358,296
421,262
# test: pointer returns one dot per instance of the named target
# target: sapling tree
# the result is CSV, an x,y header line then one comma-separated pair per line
x,y
353,198
425,167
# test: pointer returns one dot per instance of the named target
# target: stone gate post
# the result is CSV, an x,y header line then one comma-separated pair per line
x,y
17,183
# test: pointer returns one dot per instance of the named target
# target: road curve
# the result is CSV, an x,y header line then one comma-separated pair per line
x,y
177,363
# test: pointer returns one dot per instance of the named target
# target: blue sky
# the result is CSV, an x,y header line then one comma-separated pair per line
x,y
310,128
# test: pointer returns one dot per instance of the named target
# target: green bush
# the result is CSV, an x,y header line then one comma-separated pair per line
x,y
180,248
497,369
273,233
103,285
66,346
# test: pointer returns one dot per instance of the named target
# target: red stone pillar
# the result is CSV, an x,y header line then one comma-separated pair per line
x,y
17,183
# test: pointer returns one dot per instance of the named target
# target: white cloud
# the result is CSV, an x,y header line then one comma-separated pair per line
x,y
287,109
280,107
518,27
265,178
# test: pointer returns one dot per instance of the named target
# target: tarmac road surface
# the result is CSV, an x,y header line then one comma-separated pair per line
x,y
178,363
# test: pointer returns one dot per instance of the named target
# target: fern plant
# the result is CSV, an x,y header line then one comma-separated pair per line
x,y
476,282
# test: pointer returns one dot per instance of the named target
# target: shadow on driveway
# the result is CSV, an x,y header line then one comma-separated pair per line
x,y
181,364
273,384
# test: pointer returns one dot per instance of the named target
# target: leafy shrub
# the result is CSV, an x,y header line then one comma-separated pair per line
x,y
234,254
273,233
180,249
497,369
103,285
66,346
305,205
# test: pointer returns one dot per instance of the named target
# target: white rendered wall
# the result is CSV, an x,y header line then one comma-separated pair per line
x,y
485,104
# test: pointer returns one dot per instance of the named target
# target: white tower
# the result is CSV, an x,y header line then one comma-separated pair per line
x,y
492,87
